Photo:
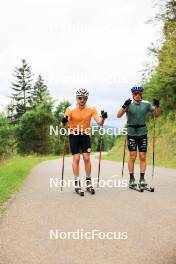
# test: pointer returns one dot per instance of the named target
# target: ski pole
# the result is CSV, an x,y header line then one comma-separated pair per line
x,y
63,158
63,162
124,152
104,115
99,165
153,147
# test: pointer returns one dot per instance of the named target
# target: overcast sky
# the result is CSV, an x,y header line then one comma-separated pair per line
x,y
100,45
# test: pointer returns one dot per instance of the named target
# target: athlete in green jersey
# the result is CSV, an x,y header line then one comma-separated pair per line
x,y
137,112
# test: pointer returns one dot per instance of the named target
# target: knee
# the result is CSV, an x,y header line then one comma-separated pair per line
x,y
133,157
76,159
86,158
142,157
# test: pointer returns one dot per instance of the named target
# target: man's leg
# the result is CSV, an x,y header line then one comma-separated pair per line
x,y
132,158
75,165
132,147
87,163
74,146
86,148
142,156
142,145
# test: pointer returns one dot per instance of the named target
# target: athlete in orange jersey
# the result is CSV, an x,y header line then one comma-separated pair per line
x,y
79,117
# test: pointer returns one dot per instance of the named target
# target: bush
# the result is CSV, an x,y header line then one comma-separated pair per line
x,y
7,137
33,131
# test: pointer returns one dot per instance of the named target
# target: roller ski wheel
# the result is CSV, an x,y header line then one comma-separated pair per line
x,y
149,189
142,185
79,191
136,188
90,189
141,188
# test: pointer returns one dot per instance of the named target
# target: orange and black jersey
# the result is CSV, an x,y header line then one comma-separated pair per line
x,y
80,118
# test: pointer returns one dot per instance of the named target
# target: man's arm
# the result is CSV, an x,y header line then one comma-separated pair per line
x,y
99,120
157,110
122,110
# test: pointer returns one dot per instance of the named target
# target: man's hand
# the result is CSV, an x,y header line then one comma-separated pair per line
x,y
156,102
104,114
64,120
126,104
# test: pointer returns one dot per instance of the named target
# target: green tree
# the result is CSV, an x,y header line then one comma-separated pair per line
x,y
59,113
22,89
60,110
162,81
7,138
106,140
34,129
40,90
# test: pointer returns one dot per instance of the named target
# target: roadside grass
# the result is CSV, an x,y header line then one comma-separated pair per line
x,y
165,145
13,173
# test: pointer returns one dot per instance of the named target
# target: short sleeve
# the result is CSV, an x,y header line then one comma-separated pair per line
x,y
150,107
127,110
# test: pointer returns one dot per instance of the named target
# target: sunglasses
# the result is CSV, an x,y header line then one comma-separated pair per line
x,y
82,98
137,94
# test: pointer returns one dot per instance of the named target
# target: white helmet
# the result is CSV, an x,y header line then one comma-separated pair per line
x,y
82,92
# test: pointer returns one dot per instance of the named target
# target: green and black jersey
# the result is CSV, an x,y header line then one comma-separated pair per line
x,y
137,116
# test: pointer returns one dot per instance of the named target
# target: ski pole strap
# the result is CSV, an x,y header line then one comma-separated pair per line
x,y
137,126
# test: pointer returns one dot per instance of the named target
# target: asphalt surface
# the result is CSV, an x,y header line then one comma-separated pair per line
x,y
147,219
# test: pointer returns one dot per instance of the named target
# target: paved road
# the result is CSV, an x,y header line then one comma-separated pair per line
x,y
148,218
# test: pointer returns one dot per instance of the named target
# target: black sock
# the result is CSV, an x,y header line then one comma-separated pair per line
x,y
142,176
132,176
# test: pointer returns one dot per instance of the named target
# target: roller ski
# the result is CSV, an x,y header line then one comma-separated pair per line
x,y
134,186
89,186
78,189
149,189
142,184
146,187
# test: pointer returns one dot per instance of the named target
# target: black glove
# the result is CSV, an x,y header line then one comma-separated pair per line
x,y
64,120
156,102
127,103
104,114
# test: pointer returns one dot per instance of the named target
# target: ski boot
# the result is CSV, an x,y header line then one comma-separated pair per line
x,y
145,186
142,183
78,189
89,186
132,183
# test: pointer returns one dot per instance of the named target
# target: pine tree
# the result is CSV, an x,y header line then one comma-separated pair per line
x,y
22,88
39,91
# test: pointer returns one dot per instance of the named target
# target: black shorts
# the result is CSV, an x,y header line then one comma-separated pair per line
x,y
80,143
137,141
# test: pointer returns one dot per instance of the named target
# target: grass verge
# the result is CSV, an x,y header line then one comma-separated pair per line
x,y
13,173
165,144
